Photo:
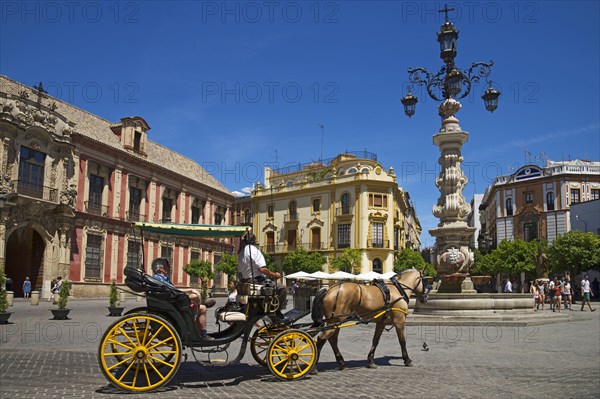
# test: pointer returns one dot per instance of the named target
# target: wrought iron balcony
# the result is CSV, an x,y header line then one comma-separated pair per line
x,y
375,243
285,248
135,216
291,217
344,211
96,209
36,190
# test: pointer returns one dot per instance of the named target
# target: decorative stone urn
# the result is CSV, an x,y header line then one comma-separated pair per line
x,y
454,278
480,280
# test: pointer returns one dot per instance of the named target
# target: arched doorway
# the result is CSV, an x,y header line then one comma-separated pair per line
x,y
24,258
377,266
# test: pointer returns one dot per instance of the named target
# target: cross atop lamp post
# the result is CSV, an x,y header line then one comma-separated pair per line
x,y
452,255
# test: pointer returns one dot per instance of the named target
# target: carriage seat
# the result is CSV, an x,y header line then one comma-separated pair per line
x,y
139,281
230,316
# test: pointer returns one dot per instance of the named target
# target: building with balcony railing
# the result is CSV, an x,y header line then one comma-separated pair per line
x,y
349,201
535,202
72,183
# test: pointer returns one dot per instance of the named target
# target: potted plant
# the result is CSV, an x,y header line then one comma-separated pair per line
x,y
63,297
4,315
113,301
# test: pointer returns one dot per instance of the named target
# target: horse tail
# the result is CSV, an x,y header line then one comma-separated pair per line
x,y
317,307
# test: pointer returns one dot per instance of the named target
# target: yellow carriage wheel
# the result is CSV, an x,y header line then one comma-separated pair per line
x,y
140,352
292,354
261,340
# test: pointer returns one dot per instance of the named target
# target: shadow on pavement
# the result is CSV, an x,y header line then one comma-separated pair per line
x,y
193,375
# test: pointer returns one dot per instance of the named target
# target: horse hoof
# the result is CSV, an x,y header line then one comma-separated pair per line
x,y
408,363
371,366
342,366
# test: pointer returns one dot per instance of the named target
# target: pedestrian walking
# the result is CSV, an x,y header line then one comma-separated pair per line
x,y
541,293
26,288
551,285
567,293
508,287
535,291
557,295
56,284
586,293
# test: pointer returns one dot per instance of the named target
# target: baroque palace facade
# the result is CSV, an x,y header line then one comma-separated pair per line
x,y
72,184
347,202
535,202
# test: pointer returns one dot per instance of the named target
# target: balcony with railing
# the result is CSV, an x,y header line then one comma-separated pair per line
x,y
94,208
285,248
375,243
135,216
36,190
344,211
290,217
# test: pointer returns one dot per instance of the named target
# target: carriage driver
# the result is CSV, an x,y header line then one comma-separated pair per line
x,y
160,267
251,263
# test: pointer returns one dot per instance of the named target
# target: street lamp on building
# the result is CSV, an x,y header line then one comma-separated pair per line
x,y
450,82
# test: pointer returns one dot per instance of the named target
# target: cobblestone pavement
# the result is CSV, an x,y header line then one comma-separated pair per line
x,y
42,358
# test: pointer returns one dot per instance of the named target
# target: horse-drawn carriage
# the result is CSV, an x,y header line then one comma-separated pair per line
x,y
143,349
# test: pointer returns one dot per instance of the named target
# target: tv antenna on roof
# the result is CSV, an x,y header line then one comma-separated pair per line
x,y
322,129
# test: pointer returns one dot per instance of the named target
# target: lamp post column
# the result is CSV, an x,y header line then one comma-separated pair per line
x,y
452,253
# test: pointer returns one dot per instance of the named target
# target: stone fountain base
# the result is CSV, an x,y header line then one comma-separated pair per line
x,y
460,304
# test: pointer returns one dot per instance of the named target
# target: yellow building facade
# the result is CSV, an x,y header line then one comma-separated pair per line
x,y
350,201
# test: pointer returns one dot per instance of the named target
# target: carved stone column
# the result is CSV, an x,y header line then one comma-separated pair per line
x,y
453,234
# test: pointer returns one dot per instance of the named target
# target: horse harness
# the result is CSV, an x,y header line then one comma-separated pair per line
x,y
389,306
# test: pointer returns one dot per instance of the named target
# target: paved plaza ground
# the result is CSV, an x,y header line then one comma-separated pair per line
x,y
43,358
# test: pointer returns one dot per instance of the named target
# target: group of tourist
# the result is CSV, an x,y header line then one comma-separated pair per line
x,y
559,292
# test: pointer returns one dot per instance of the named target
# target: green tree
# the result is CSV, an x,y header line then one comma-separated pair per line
x,y
303,260
349,261
482,265
203,270
575,251
228,265
3,301
63,294
271,263
409,259
113,295
513,257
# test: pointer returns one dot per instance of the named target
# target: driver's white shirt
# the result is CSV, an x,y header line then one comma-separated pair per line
x,y
244,263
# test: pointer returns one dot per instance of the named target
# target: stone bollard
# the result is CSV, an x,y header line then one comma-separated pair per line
x,y
10,297
35,298
138,298
121,297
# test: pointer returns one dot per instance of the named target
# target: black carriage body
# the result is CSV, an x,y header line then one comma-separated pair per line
x,y
175,306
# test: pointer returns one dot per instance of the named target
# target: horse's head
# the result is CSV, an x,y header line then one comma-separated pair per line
x,y
421,287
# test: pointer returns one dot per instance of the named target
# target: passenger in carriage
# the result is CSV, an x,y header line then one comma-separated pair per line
x,y
160,267
253,268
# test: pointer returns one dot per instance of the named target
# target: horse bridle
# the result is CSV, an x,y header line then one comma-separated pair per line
x,y
421,281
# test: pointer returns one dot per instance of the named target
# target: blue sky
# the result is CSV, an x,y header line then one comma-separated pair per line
x,y
234,85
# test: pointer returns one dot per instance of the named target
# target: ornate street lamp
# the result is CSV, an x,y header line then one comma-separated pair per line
x,y
490,99
453,256
450,82
409,101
